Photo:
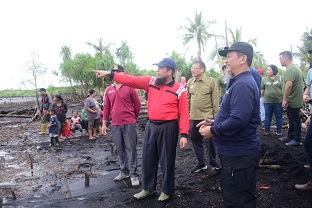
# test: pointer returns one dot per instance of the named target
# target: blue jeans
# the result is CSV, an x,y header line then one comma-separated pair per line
x,y
262,110
277,109
308,145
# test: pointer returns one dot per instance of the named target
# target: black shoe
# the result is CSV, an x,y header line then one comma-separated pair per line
x,y
216,165
198,168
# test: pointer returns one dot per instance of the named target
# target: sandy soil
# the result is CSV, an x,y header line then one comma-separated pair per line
x,y
58,175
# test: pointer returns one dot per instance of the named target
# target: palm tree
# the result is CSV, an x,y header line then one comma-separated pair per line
x,y
236,36
65,53
303,55
101,48
66,66
197,30
124,54
183,68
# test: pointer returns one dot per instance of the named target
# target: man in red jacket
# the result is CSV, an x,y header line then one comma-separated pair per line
x,y
168,113
123,104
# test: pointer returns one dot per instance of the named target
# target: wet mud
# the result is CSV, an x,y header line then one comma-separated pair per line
x,y
33,174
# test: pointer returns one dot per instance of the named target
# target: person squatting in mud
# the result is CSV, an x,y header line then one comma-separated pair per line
x,y
167,112
76,123
235,129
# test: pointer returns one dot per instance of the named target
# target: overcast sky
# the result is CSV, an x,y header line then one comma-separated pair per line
x,y
150,28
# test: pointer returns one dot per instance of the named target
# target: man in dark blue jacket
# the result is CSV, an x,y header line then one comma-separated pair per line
x,y
235,129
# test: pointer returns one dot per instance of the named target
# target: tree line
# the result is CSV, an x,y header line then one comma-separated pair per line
x,y
76,69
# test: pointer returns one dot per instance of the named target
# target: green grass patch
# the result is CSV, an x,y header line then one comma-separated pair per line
x,y
31,93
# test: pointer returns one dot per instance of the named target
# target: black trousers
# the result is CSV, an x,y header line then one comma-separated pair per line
x,y
238,180
84,124
198,142
294,131
159,145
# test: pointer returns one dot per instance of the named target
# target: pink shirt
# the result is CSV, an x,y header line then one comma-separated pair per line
x,y
122,104
76,120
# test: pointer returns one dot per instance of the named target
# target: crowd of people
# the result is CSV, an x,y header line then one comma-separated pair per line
x,y
220,115
53,116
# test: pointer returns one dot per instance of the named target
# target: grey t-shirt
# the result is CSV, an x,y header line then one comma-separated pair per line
x,y
91,103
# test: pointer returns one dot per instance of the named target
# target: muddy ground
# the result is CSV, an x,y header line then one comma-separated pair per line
x,y
58,175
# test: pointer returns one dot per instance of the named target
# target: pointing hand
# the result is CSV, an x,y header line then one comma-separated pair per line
x,y
101,73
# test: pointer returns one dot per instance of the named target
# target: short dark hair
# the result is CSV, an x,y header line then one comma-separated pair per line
x,y
42,89
53,110
201,63
239,54
287,54
274,69
59,97
91,91
172,69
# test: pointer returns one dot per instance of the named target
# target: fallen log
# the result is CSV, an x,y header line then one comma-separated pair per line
x,y
271,167
18,116
263,159
267,162
210,174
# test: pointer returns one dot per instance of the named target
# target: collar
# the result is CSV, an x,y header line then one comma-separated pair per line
x,y
203,79
240,76
170,84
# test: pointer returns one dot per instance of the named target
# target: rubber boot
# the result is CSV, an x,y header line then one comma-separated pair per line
x,y
52,141
56,140
43,129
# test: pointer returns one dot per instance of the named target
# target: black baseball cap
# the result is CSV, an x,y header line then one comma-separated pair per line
x,y
243,47
118,68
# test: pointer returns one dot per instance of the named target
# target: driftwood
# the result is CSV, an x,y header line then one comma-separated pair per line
x,y
87,179
271,167
18,116
211,174
304,114
264,156
268,163
35,116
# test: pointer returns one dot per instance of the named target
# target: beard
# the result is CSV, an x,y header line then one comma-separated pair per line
x,y
228,75
161,81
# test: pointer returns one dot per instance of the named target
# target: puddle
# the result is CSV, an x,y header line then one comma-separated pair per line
x,y
5,122
2,153
6,155
7,184
13,166
14,126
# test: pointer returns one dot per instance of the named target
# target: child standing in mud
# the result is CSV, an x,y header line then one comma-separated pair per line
x,y
53,127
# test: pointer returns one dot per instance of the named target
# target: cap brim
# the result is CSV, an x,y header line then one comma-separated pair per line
x,y
159,65
223,52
